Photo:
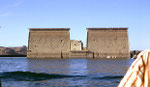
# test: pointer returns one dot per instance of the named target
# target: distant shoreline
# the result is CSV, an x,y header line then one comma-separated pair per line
x,y
22,52
13,51
13,55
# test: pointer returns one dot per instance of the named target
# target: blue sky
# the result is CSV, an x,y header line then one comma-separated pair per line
x,y
16,16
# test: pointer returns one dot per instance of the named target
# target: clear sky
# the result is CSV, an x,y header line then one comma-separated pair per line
x,y
16,16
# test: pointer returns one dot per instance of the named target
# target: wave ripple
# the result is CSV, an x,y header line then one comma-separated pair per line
x,y
32,76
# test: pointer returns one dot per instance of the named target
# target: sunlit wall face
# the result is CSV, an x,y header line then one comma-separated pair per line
x,y
108,42
48,42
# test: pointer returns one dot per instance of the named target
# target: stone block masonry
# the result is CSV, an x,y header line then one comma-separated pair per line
x,y
108,42
48,43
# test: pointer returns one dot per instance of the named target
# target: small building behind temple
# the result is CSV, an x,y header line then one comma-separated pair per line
x,y
77,50
76,45
56,43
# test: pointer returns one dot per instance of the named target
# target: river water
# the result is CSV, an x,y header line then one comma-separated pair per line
x,y
23,72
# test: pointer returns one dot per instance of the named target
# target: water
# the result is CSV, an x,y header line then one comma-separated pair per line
x,y
23,72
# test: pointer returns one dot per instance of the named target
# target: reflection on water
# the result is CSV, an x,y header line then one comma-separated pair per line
x,y
78,66
22,72
106,67
13,64
48,66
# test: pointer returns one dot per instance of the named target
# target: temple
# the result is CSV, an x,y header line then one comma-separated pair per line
x,y
56,43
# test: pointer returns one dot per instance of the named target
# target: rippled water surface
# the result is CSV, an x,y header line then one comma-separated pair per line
x,y
23,72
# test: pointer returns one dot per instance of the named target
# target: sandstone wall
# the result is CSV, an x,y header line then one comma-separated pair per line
x,y
108,42
48,43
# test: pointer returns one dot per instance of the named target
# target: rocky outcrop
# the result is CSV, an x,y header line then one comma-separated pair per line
x,y
134,53
13,51
7,51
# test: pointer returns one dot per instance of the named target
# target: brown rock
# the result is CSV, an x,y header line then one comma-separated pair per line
x,y
13,51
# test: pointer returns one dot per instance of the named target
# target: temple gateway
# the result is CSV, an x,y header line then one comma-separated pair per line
x,y
56,43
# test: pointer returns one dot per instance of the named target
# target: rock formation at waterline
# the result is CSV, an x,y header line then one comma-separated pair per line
x,y
13,51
